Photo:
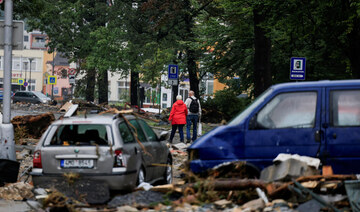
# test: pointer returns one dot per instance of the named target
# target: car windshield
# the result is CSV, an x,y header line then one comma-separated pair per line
x,y
238,119
80,135
40,95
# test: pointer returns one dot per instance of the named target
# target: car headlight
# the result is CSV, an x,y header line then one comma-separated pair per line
x,y
44,101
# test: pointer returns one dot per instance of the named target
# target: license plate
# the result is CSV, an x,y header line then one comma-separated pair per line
x,y
77,163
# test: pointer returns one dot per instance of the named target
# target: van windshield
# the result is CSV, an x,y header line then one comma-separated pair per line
x,y
245,113
40,95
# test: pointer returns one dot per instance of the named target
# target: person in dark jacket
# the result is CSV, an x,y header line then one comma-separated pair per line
x,y
178,118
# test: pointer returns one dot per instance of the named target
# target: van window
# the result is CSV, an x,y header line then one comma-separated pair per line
x,y
345,108
289,110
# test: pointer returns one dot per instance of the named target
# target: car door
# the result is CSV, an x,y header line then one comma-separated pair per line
x,y
147,150
130,149
159,147
342,133
68,149
287,123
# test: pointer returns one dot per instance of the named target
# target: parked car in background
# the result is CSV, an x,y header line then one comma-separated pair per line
x,y
102,147
317,119
34,97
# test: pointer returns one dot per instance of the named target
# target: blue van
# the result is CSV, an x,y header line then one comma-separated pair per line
x,y
317,119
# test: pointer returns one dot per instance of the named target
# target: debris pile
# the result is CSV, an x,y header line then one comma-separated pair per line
x,y
16,191
31,125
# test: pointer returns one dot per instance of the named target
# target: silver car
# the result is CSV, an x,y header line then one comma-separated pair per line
x,y
105,148
34,97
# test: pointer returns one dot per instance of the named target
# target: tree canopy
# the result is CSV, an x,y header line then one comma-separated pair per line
x,y
245,44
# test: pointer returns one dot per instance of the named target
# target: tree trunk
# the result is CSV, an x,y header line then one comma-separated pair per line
x,y
90,85
134,84
103,87
354,49
190,54
262,71
193,73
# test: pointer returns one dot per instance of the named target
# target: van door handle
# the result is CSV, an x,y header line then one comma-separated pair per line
x,y
334,135
318,135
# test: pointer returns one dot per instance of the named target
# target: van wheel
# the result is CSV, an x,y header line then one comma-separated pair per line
x,y
168,174
141,176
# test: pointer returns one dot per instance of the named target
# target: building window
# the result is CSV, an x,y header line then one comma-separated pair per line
x,y
210,87
64,74
164,105
123,91
164,97
26,38
16,63
38,41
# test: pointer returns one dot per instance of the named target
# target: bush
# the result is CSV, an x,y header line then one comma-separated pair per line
x,y
224,106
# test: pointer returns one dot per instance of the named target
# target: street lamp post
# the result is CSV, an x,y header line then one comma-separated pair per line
x,y
25,67
30,61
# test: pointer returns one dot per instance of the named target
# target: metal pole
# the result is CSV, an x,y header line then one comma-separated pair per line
x,y
7,129
30,59
25,73
53,68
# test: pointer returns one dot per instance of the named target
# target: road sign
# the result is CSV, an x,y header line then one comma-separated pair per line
x,y
25,84
18,35
173,82
72,79
72,71
52,80
173,72
21,81
297,68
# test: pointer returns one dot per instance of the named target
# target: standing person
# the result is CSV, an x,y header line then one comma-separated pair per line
x,y
194,112
178,118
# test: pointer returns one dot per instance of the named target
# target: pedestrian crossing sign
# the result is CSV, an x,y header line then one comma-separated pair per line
x,y
52,80
21,81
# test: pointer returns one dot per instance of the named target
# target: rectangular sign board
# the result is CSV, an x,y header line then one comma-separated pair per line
x,y
173,82
17,35
173,72
297,68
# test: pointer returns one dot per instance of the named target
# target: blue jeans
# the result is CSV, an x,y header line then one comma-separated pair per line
x,y
173,131
191,119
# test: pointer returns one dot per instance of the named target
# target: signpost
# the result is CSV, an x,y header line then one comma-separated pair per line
x,y
173,79
17,32
21,81
72,71
52,80
297,68
72,79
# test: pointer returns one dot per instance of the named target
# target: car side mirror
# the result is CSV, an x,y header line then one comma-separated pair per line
x,y
253,122
164,135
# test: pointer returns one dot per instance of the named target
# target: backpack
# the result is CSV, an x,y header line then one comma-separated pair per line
x,y
194,106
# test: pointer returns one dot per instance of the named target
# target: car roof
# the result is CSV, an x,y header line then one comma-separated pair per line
x,y
314,84
106,118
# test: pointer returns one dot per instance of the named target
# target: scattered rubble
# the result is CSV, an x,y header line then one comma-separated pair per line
x,y
16,191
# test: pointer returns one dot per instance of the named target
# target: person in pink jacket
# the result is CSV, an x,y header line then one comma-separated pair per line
x,y
178,118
